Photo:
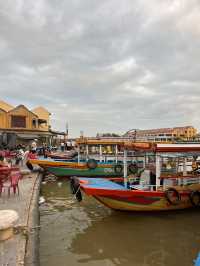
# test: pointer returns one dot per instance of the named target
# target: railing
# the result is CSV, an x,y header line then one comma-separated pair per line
x,y
167,183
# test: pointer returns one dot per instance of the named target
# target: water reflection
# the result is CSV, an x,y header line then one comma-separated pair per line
x,y
90,234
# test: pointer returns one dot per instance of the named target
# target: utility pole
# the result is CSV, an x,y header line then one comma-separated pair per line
x,y
67,129
66,132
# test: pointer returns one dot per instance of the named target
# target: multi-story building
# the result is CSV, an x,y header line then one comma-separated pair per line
x,y
188,132
20,125
163,134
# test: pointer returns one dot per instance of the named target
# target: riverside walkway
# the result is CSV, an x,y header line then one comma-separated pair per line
x,y
13,252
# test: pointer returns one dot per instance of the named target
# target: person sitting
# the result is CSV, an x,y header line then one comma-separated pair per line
x,y
32,154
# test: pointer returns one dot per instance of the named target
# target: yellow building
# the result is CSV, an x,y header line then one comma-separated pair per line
x,y
164,134
43,118
186,132
18,124
21,117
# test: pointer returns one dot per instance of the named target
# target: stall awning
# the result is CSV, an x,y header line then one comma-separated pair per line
x,y
27,136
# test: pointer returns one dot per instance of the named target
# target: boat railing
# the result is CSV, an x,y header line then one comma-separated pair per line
x,y
144,187
166,183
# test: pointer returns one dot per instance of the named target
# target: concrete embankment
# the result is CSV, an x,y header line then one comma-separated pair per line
x,y
23,248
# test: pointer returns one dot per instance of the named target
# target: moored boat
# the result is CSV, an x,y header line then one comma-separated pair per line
x,y
90,167
167,191
116,196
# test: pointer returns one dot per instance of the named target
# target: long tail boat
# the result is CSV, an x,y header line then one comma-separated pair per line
x,y
168,191
90,167
67,155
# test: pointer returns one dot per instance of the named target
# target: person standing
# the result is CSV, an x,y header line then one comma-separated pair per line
x,y
62,146
34,145
20,157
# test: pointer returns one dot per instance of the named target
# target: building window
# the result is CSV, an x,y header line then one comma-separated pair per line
x,y
18,121
34,123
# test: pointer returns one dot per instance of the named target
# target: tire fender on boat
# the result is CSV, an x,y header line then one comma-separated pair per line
x,y
195,198
118,168
92,164
172,196
133,168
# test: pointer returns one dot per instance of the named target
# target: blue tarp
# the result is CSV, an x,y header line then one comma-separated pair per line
x,y
102,183
197,261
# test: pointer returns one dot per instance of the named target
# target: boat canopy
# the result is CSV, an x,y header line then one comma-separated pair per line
x,y
162,148
185,148
144,147
95,141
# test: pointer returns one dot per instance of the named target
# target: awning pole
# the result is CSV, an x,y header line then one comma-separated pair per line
x,y
87,152
144,160
125,169
100,153
184,166
158,170
116,153
78,154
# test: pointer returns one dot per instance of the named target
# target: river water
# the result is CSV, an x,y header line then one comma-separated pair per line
x,y
88,233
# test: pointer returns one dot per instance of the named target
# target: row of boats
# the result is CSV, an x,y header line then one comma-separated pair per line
x,y
142,177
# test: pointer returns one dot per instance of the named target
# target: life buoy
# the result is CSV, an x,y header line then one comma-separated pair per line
x,y
29,166
172,196
92,164
195,198
75,188
133,168
118,168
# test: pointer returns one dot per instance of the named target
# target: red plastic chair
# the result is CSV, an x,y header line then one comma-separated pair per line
x,y
14,181
9,179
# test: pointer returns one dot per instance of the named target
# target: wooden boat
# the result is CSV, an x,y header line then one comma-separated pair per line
x,y
116,196
168,192
68,155
90,168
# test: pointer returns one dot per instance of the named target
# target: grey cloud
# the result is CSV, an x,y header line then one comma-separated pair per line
x,y
103,65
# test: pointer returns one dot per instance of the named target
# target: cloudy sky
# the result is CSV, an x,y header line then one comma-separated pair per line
x,y
103,66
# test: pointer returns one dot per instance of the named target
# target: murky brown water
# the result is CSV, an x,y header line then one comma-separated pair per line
x,y
88,233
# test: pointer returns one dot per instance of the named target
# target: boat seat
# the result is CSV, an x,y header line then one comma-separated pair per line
x,y
167,182
140,187
145,177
